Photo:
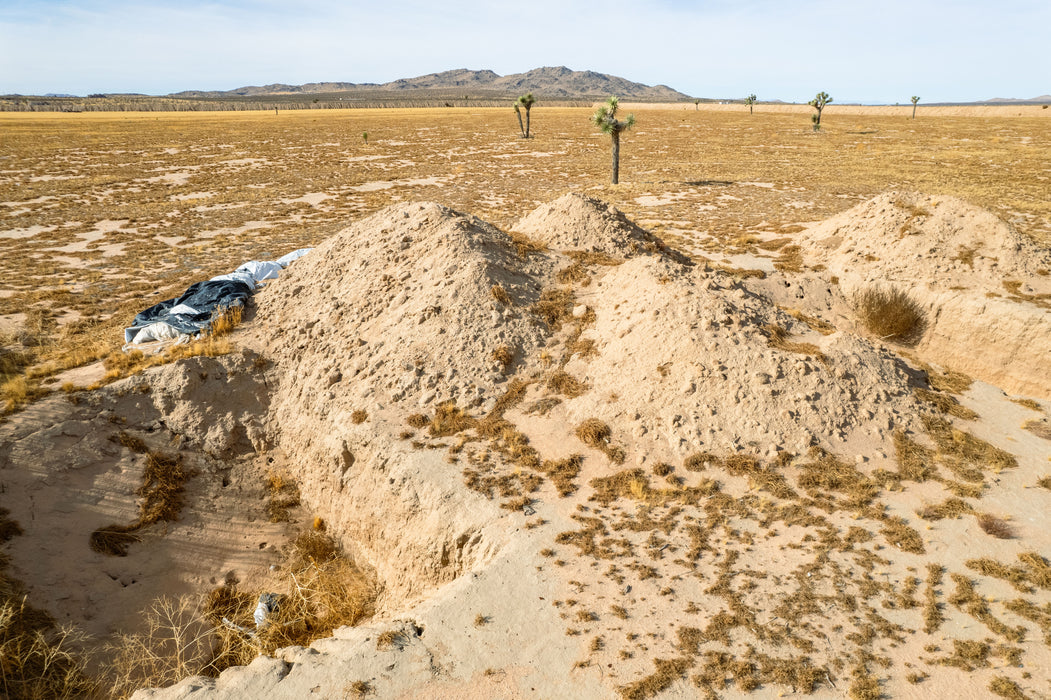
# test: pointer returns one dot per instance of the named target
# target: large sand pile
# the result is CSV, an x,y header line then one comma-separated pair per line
x,y
986,288
596,469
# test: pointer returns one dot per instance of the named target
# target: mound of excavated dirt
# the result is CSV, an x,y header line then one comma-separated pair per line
x,y
985,288
707,365
578,222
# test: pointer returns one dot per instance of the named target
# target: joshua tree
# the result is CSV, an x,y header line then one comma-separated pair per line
x,y
819,103
527,101
915,99
605,118
365,137
750,101
518,113
696,104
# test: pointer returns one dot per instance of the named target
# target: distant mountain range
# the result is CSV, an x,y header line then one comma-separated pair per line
x,y
547,83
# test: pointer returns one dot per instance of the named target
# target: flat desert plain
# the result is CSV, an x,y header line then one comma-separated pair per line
x,y
770,417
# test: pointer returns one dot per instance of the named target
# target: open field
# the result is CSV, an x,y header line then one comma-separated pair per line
x,y
103,213
803,449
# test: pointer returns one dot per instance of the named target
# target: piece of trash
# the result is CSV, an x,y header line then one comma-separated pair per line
x,y
269,603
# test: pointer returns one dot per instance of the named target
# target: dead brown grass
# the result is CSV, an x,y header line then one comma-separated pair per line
x,y
161,494
596,434
566,384
996,526
890,314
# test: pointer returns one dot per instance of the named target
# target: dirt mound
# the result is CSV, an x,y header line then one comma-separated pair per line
x,y
412,307
943,242
983,286
730,371
578,222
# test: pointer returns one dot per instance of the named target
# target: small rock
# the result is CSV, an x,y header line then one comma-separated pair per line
x,y
580,311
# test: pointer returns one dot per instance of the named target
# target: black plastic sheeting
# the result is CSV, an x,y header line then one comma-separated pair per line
x,y
203,297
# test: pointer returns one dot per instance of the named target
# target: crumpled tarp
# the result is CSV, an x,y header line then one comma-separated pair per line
x,y
196,308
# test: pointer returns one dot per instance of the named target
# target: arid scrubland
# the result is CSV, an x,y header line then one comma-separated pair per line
x,y
715,443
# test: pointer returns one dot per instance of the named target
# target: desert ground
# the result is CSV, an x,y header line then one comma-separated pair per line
x,y
542,436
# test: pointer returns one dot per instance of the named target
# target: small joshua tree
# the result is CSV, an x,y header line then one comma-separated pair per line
x,y
696,104
526,101
915,99
365,137
518,113
605,118
819,102
750,101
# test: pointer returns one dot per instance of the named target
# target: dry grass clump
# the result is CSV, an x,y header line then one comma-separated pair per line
x,y
777,337
574,274
932,612
37,659
945,403
282,495
504,356
595,433
163,479
790,259
418,420
561,472
1040,428
949,508
1028,403
449,419
961,451
1007,688
815,323
1034,573
949,381
699,461
996,526
898,532
667,672
593,257
969,601
890,314
554,306
566,384
500,294
226,320
359,416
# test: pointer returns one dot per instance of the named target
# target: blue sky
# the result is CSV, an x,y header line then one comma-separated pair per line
x,y
880,52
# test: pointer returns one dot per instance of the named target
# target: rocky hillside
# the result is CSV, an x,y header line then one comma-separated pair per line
x,y
558,82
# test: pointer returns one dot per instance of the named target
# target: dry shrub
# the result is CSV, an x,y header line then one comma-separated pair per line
x,y
667,672
450,420
574,274
594,433
359,416
890,314
37,659
949,508
996,526
504,356
418,420
1007,688
566,384
554,306
500,294
561,472
177,642
698,461
225,320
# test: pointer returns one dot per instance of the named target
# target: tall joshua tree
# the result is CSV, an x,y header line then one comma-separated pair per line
x,y
605,118
750,101
915,99
526,101
819,103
